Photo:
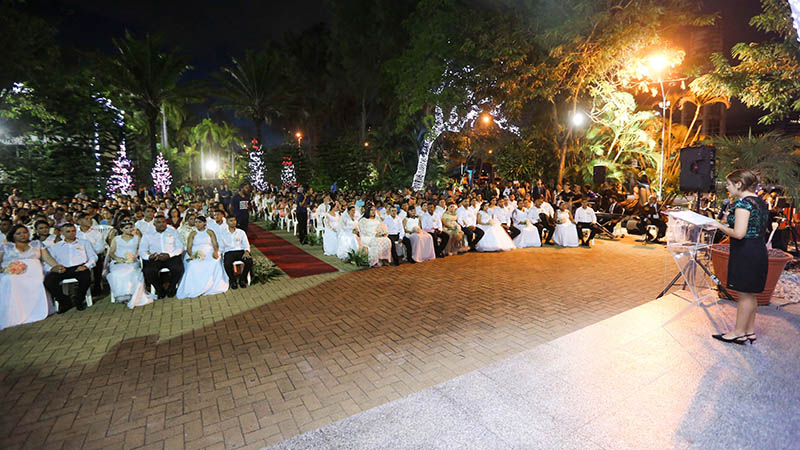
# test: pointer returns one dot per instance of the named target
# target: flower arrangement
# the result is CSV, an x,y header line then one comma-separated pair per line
x,y
129,258
313,239
16,268
264,270
197,254
359,258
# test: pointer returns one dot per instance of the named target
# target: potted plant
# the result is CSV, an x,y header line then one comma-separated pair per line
x,y
720,253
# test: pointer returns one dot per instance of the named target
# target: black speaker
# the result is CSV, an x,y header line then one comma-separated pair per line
x,y
599,175
698,169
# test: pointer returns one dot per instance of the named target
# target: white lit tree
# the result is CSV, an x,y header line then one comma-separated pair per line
x,y
162,178
288,177
257,167
120,181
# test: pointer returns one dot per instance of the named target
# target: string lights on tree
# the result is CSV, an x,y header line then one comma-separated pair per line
x,y
455,122
288,177
120,181
162,178
257,167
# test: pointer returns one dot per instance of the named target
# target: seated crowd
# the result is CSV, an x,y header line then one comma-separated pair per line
x,y
55,254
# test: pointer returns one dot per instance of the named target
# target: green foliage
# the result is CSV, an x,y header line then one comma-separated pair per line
x,y
264,270
768,73
527,159
774,156
313,240
358,258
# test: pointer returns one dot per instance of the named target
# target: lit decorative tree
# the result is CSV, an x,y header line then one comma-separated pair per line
x,y
162,179
120,181
257,166
287,173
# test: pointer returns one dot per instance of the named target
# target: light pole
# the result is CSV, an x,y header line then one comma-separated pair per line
x,y
657,64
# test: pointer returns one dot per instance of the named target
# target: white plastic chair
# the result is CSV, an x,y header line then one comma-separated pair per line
x,y
67,281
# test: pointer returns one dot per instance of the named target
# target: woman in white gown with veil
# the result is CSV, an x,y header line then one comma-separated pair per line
x,y
495,237
204,274
330,237
422,248
373,236
125,276
566,233
348,233
23,298
528,233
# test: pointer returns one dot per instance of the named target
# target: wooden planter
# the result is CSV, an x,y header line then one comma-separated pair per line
x,y
720,253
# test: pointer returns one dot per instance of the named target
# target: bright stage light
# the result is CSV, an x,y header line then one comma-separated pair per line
x,y
578,119
211,166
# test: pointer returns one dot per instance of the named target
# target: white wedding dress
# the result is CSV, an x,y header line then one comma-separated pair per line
x,y
379,247
23,298
422,248
566,233
528,235
330,237
494,237
205,275
126,279
347,240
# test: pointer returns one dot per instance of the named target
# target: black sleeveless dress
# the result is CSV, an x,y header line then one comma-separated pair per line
x,y
748,263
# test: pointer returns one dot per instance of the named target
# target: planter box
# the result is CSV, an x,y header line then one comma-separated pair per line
x,y
720,253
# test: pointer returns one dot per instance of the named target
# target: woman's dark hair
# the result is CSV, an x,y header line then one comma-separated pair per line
x,y
350,207
748,178
14,228
39,222
367,211
124,223
200,217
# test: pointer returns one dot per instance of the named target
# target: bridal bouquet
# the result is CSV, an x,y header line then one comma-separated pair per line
x,y
493,222
198,255
16,268
129,258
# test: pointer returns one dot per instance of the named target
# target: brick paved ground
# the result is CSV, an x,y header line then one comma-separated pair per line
x,y
254,367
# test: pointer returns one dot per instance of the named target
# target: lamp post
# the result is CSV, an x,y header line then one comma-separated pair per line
x,y
657,64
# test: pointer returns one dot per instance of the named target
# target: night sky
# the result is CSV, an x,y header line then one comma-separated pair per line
x,y
211,32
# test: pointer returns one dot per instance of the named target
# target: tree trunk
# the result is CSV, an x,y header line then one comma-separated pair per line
x,y
364,116
723,120
257,123
164,140
202,161
152,121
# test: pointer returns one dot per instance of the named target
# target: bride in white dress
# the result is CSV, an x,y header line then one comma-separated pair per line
x,y
330,237
566,233
203,274
422,248
23,298
373,236
348,233
528,233
495,237
124,273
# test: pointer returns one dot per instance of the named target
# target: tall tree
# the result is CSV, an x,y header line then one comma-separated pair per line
x,y
256,87
149,76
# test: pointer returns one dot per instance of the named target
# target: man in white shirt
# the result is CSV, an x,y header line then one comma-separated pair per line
x,y
162,249
468,220
75,258
432,224
217,225
586,218
235,247
94,237
396,233
146,225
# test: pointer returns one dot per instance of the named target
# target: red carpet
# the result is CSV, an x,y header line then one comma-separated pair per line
x,y
292,260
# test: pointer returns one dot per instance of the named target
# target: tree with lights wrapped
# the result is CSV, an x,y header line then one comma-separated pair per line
x,y
288,177
162,179
120,181
257,167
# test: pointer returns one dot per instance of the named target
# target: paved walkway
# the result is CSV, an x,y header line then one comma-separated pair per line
x,y
257,366
628,382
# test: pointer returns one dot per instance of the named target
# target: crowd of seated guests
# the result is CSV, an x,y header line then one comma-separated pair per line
x,y
56,254
144,246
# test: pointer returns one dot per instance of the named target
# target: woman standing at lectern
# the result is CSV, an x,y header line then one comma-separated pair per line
x,y
747,266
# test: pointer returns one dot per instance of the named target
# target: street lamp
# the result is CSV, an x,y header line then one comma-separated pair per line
x,y
299,137
657,64
578,119
211,167
486,118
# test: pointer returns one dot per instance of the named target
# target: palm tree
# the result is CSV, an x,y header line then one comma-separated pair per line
x,y
208,133
149,77
256,88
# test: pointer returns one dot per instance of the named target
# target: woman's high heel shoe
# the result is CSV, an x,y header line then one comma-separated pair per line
x,y
751,337
735,340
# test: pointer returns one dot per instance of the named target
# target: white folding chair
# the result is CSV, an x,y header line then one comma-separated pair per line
x,y
65,288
